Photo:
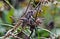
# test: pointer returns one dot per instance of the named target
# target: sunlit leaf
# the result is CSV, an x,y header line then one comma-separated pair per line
x,y
7,15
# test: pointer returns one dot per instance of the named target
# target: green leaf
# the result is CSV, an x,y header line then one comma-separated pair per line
x,y
7,15
43,33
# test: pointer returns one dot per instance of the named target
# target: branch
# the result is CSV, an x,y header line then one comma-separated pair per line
x,y
12,30
9,4
17,24
26,9
13,35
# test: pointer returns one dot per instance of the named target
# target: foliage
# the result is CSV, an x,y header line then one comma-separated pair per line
x,y
50,12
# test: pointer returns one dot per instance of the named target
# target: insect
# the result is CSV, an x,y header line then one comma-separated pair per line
x,y
27,20
31,21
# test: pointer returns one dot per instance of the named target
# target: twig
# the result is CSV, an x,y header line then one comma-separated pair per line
x,y
17,24
26,9
9,4
12,30
7,25
38,5
15,36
